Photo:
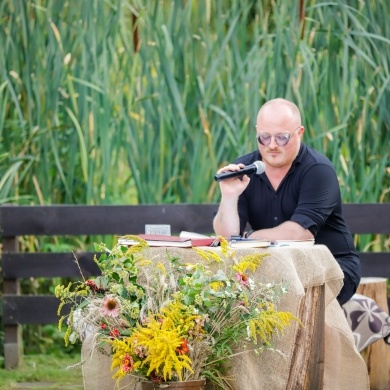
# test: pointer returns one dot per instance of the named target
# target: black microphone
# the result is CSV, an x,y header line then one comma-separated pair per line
x,y
257,168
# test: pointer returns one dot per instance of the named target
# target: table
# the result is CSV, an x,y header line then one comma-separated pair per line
x,y
322,355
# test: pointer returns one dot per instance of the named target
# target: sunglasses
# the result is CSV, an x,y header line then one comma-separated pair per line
x,y
280,139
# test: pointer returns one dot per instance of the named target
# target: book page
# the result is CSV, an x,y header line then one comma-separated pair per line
x,y
309,242
249,243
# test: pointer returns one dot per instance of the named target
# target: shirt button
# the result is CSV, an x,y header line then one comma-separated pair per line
x,y
275,218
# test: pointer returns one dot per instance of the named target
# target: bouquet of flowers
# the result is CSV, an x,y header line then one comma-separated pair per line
x,y
165,320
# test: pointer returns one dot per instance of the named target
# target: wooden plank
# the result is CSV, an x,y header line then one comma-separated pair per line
x,y
103,220
375,264
31,309
44,307
363,218
367,218
307,367
26,265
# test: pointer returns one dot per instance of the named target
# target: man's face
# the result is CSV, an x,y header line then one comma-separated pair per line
x,y
274,128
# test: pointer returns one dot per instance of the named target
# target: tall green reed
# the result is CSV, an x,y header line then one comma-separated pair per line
x,y
86,118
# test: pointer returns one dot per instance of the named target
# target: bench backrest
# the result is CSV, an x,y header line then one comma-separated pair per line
x,y
72,220
18,221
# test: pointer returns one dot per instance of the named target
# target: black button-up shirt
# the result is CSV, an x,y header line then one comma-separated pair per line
x,y
309,195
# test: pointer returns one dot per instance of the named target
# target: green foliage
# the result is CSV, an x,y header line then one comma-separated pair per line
x,y
47,340
141,101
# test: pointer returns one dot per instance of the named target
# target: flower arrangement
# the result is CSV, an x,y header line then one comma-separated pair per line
x,y
165,320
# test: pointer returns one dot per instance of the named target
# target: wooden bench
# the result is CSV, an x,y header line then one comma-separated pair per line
x,y
71,220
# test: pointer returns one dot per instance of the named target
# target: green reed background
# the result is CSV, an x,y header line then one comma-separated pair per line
x,y
87,117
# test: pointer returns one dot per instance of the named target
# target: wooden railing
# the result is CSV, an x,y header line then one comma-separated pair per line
x,y
70,220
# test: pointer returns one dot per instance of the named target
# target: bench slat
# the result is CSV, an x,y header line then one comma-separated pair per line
x,y
103,220
376,264
25,265
367,218
364,218
23,309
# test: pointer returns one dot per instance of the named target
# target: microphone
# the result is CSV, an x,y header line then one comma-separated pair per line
x,y
257,168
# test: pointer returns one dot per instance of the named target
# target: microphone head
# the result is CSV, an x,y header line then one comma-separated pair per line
x,y
260,167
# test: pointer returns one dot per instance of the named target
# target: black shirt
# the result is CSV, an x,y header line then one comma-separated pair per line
x,y
309,195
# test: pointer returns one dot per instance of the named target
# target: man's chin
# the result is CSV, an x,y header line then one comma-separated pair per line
x,y
275,162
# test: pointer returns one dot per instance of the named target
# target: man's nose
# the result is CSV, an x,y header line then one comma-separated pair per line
x,y
273,143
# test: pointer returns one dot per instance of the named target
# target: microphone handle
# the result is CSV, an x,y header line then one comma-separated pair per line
x,y
231,174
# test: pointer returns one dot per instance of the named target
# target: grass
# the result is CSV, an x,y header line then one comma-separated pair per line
x,y
45,371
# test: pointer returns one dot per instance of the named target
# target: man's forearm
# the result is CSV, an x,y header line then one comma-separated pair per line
x,y
285,231
226,222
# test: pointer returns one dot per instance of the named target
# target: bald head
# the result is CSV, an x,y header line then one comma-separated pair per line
x,y
279,110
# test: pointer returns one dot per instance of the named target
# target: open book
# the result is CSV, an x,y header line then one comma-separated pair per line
x,y
200,239
157,240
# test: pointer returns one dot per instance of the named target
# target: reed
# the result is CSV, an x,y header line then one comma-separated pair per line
x,y
141,101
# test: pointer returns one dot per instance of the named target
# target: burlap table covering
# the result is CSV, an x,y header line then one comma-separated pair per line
x,y
300,268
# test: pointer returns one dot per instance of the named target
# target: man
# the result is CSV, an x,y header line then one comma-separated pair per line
x,y
298,196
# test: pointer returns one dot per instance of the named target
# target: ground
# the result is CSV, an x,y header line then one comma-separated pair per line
x,y
43,372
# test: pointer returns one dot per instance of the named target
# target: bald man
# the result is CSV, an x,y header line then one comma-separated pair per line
x,y
298,196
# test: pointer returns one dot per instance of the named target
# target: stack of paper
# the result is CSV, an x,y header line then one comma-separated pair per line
x,y
249,243
295,243
263,243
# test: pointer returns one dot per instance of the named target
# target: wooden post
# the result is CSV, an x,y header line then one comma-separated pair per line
x,y
13,340
377,355
307,368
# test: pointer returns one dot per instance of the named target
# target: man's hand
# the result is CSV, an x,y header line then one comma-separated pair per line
x,y
226,222
235,186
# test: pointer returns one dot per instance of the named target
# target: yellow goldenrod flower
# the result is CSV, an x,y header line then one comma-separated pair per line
x,y
217,285
251,262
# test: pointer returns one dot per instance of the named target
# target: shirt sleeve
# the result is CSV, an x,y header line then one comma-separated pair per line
x,y
319,195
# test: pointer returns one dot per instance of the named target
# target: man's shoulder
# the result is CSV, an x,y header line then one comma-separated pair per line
x,y
315,165
314,156
248,158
